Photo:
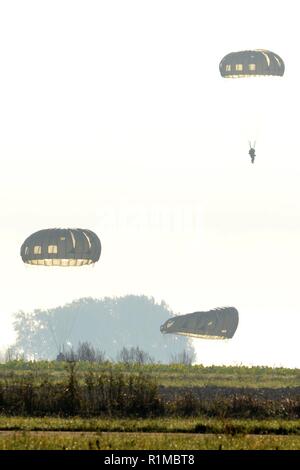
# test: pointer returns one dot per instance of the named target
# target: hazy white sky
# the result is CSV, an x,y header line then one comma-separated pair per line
x,y
114,117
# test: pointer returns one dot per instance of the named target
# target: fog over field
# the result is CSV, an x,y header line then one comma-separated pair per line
x,y
114,117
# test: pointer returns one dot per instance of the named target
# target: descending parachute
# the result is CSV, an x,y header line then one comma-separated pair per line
x,y
255,100
251,63
220,323
61,247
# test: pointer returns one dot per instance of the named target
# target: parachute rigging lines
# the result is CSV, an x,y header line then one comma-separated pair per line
x,y
61,247
61,328
219,323
252,63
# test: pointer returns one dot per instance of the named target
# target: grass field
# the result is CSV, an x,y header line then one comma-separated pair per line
x,y
142,441
172,375
156,425
47,405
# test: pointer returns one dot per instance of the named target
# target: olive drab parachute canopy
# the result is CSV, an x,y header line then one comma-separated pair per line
x,y
258,62
61,247
252,102
220,323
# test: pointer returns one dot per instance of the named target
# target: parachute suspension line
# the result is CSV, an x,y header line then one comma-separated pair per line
x,y
253,65
69,332
65,331
62,340
53,336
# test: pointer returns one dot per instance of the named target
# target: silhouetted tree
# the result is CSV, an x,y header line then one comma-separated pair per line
x,y
107,324
134,356
85,352
184,357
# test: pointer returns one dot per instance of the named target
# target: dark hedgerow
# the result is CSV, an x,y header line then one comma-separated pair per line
x,y
234,406
132,393
103,394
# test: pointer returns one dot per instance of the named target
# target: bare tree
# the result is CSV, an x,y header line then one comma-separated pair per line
x,y
85,352
12,354
185,357
134,356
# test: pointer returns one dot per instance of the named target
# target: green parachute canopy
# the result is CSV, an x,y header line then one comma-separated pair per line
x,y
61,247
219,323
258,62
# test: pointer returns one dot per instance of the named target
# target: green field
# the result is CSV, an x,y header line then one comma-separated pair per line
x,y
54,405
153,425
142,441
173,375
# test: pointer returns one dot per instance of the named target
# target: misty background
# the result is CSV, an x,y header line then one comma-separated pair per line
x,y
114,117
115,328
